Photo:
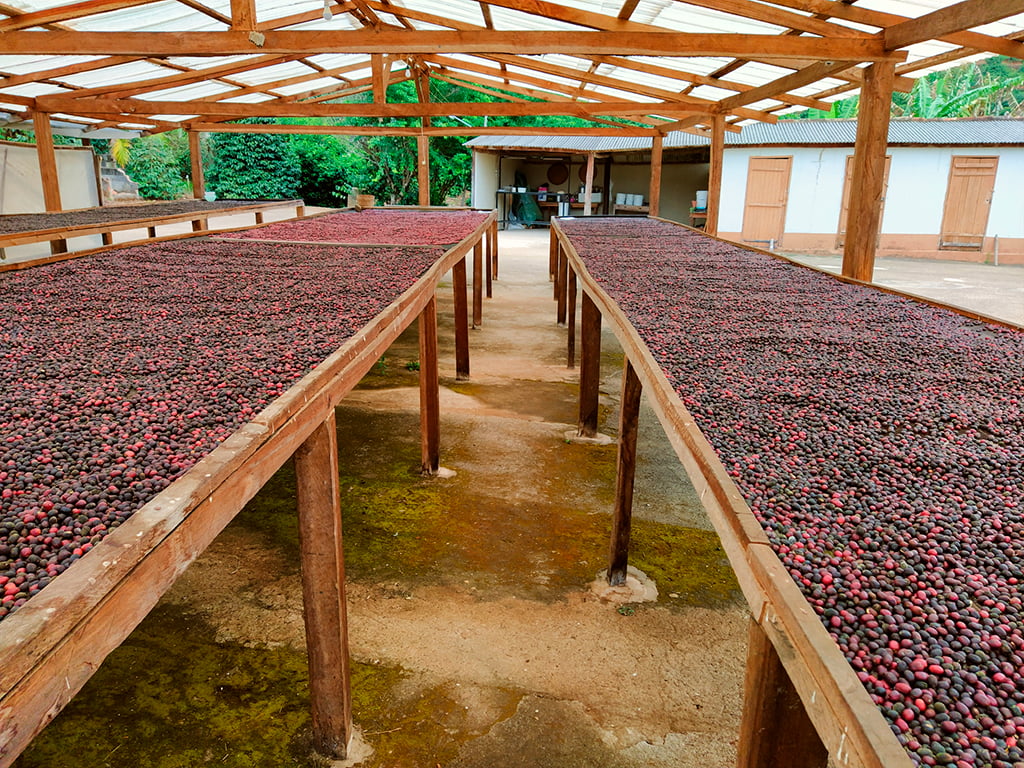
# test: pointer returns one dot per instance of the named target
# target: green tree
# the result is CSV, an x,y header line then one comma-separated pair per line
x,y
324,169
253,166
152,164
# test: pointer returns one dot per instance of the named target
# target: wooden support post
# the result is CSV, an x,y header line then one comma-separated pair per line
x,y
47,158
561,280
868,183
654,193
300,211
588,186
489,264
323,589
423,168
379,78
775,730
715,175
430,409
259,217
199,225
461,320
553,246
571,319
195,154
107,237
478,284
618,556
151,231
494,251
590,365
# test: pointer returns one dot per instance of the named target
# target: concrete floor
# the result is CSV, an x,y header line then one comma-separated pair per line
x,y
994,291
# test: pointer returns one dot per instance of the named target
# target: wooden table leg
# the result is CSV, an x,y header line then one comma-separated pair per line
x,y
478,284
561,278
618,558
323,589
571,320
430,409
552,255
590,366
489,265
775,730
494,250
461,320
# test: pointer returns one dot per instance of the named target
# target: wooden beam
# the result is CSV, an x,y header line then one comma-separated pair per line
x,y
868,183
66,12
412,130
1006,46
775,729
654,190
423,168
404,42
570,317
47,161
323,589
780,17
629,417
243,14
196,159
305,109
590,366
789,82
952,18
461,319
627,9
430,408
715,175
561,280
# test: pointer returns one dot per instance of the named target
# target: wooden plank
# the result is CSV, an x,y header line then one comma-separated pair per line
x,y
323,589
798,79
406,42
489,265
430,407
379,81
952,18
278,108
47,160
478,285
52,645
844,211
494,249
571,319
625,473
412,130
654,191
553,245
715,175
196,161
968,200
423,168
461,320
590,365
865,215
775,729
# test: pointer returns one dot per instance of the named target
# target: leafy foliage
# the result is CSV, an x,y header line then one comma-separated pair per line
x,y
988,88
253,166
151,163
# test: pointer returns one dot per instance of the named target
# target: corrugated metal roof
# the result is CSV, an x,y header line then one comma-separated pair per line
x,y
963,132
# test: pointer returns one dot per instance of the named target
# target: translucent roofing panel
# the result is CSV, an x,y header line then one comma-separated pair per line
x,y
516,20
163,16
23,65
249,98
335,60
118,74
705,20
309,85
31,90
273,73
199,90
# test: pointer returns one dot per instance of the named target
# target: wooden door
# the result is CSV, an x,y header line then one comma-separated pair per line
x,y
764,216
968,199
844,212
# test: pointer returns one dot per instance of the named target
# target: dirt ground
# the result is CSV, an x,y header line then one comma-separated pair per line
x,y
475,638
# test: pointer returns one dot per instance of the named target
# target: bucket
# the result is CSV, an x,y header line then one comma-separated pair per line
x,y
702,199
364,201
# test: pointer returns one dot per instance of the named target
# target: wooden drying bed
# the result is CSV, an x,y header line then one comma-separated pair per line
x,y
791,657
58,227
53,644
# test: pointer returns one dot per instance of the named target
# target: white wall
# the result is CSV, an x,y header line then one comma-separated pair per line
x,y
485,179
918,177
21,189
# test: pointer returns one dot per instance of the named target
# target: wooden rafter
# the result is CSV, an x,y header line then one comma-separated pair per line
x,y
67,12
412,130
963,15
243,14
